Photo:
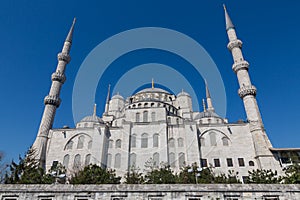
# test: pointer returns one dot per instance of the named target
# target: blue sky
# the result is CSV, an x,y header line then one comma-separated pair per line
x,y
32,33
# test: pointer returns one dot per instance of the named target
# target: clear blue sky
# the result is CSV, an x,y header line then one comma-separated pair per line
x,y
32,33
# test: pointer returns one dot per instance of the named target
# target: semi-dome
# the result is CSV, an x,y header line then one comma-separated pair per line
x,y
206,114
117,96
92,118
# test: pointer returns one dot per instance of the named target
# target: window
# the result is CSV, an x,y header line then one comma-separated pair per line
x,y
87,159
133,140
270,197
137,117
225,141
153,116
118,144
213,141
251,163
90,144
155,140
108,164
144,141
110,144
80,142
132,159
69,145
169,120
66,160
156,159
77,162
145,116
180,142
241,162
117,160
181,159
217,162
172,159
202,141
229,162
203,162
171,142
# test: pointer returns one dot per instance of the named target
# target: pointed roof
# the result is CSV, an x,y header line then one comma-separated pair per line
x,y
108,94
206,89
229,23
70,34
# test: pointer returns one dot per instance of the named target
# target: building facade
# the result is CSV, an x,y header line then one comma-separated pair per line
x,y
155,127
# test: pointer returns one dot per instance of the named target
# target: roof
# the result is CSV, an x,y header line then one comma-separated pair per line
x,y
117,96
206,114
92,118
154,90
285,149
183,93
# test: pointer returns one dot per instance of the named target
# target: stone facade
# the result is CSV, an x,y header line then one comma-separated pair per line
x,y
150,192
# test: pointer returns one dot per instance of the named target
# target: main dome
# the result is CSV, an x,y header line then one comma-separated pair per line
x,y
153,90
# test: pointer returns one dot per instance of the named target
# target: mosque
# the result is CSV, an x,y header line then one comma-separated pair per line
x,y
157,127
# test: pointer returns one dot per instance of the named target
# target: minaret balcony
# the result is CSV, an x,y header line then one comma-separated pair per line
x,y
235,43
52,100
63,57
240,65
58,76
247,90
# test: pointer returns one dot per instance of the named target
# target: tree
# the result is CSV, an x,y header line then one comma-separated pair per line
x,y
292,174
264,176
162,175
134,176
93,174
3,167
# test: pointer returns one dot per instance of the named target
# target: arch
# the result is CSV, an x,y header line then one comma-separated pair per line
x,y
145,116
213,130
80,143
172,159
153,117
171,142
108,162
144,140
137,117
213,139
202,141
133,140
118,160
69,145
90,144
169,120
110,144
181,159
180,142
156,159
155,140
77,162
132,160
118,143
66,161
251,163
225,141
87,159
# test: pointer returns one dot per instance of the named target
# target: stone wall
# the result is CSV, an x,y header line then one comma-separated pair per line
x,y
149,192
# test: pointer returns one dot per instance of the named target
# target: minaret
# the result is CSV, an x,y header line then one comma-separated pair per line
x,y
107,101
52,100
208,99
247,93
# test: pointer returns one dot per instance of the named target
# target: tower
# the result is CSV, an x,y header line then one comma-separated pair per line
x,y
247,93
52,100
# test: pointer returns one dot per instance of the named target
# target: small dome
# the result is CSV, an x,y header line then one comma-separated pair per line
x,y
153,90
183,93
206,114
92,118
117,96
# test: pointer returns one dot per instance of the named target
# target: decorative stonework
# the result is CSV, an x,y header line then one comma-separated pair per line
x,y
240,65
52,100
63,57
247,90
58,76
234,43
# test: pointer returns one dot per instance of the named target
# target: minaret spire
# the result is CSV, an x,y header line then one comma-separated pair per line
x,y
152,83
52,100
204,106
107,100
208,98
247,92
95,110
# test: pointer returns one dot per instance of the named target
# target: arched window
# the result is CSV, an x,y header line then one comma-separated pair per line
x,y
225,141
108,164
137,117
118,143
77,162
202,141
155,140
144,140
172,142
69,145
66,160
180,142
213,141
156,159
145,116
181,159
133,140
153,117
132,161
251,163
87,159
117,160
80,142
172,159
90,144
110,144
169,120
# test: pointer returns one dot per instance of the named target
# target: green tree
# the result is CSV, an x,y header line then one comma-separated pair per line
x,y
93,174
264,176
134,176
292,174
162,175
56,174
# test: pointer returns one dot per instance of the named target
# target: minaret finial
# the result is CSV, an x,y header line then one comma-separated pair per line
x,y
204,106
70,34
229,23
95,110
107,100
152,83
208,98
206,89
